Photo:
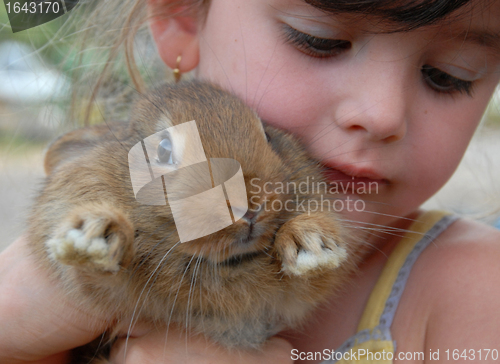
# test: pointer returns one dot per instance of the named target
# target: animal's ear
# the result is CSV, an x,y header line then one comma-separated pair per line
x,y
77,142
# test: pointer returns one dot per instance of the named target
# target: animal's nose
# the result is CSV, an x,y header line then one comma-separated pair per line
x,y
250,216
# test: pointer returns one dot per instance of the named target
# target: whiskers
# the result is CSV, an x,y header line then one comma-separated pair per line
x,y
136,312
191,290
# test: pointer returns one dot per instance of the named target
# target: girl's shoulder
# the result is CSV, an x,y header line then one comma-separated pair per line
x,y
464,267
467,249
454,291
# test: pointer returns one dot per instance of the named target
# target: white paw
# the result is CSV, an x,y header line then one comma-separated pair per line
x,y
315,252
77,248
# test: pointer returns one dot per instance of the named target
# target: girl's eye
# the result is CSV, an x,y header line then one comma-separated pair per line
x,y
314,46
442,82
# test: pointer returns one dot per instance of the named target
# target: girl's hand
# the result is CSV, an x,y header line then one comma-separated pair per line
x,y
38,322
179,348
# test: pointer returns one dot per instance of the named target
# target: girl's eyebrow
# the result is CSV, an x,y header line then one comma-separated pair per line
x,y
483,38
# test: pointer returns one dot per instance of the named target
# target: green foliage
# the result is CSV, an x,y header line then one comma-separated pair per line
x,y
40,37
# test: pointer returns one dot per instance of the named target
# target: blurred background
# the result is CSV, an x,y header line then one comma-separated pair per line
x,y
33,92
46,77
37,72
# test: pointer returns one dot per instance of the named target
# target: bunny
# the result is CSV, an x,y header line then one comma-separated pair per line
x,y
264,272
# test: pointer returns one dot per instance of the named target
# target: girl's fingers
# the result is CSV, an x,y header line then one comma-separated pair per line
x,y
158,348
37,318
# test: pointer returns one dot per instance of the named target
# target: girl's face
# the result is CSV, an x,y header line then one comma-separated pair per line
x,y
394,109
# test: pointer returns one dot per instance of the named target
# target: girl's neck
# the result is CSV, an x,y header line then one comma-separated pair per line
x,y
383,242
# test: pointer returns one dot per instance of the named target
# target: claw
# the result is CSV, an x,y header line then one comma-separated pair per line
x,y
92,240
309,243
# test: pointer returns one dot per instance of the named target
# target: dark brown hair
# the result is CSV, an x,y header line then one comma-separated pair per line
x,y
404,14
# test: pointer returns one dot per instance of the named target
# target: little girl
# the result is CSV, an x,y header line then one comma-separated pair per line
x,y
382,92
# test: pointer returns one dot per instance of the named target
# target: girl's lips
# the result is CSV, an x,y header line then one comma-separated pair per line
x,y
350,180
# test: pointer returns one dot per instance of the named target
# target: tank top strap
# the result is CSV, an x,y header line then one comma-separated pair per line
x,y
384,299
374,330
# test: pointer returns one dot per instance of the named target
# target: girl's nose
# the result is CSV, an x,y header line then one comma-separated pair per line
x,y
377,101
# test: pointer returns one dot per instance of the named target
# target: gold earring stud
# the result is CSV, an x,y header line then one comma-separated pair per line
x,y
177,71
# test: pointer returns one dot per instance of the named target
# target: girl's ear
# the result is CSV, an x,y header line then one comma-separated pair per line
x,y
174,35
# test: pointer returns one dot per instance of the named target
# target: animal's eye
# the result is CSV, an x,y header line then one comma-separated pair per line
x,y
268,137
165,153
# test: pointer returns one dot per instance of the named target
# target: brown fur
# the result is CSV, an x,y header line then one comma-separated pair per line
x,y
238,304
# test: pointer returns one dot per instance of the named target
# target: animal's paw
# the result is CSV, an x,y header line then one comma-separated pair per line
x,y
95,237
310,242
